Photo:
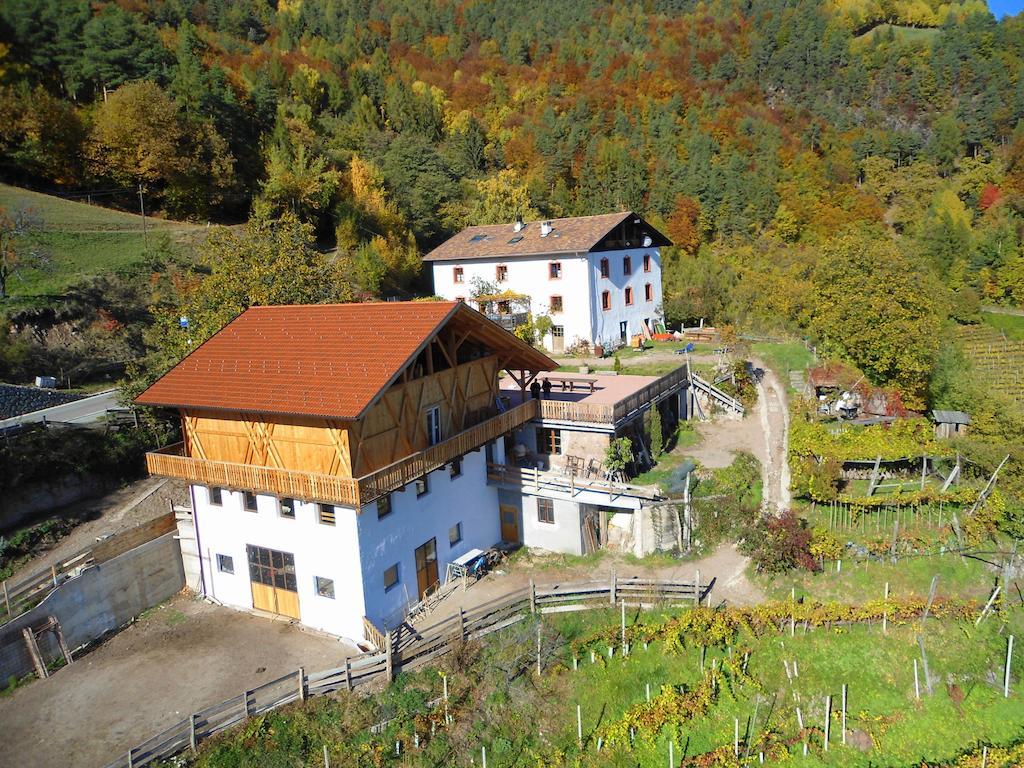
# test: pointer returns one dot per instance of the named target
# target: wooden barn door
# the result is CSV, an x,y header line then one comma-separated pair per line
x,y
509,523
274,587
426,567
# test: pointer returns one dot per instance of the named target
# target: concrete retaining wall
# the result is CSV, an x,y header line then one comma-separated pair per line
x,y
101,599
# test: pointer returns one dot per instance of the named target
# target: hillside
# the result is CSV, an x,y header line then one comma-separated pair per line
x,y
81,241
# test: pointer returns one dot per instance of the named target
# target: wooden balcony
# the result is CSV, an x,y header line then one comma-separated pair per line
x,y
346,491
524,478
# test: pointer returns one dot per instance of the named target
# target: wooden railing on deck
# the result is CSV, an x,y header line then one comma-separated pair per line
x,y
562,410
170,462
524,477
651,392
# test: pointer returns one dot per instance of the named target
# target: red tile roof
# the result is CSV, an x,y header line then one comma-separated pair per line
x,y
328,360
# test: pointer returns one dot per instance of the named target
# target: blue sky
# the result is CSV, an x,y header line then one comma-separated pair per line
x,y
1002,8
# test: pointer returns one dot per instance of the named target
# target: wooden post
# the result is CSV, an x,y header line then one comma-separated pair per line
x,y
931,597
53,573
302,684
828,719
131,763
462,621
538,648
389,663
1006,671
245,704
579,725
7,601
192,740
917,683
885,610
696,590
483,756
348,674
844,713
533,598
671,755
613,588
924,666
327,760
623,601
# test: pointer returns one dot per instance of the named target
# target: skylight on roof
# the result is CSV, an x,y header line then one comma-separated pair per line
x,y
477,238
515,239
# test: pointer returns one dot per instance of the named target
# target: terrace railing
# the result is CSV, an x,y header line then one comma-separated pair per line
x,y
651,393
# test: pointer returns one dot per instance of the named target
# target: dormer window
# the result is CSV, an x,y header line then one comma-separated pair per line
x,y
458,275
605,269
501,273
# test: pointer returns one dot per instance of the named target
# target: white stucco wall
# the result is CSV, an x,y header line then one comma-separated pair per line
x,y
320,550
564,535
529,276
580,287
413,521
605,324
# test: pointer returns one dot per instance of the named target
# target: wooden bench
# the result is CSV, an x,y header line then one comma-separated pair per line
x,y
568,383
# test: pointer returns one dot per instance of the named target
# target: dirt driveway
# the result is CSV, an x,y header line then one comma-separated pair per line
x,y
178,658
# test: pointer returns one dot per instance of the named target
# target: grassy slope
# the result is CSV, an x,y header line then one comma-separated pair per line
x,y
538,715
82,240
1011,325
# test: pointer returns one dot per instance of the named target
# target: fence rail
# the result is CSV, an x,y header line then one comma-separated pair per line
x,y
17,598
524,477
408,648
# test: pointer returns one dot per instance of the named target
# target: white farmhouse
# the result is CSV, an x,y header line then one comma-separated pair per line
x,y
597,277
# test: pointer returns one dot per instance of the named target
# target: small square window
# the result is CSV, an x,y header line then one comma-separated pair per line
x,y
325,514
225,564
545,511
383,507
501,273
457,274
324,587
555,270
422,486
629,296
455,534
556,304
216,497
287,507
390,577
455,468
647,262
627,265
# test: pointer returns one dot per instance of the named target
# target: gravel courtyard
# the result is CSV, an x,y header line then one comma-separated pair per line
x,y
178,658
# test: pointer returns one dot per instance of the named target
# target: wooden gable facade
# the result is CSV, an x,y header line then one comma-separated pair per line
x,y
455,371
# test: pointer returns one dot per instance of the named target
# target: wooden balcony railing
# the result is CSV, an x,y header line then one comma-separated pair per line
x,y
629,405
597,413
523,477
313,486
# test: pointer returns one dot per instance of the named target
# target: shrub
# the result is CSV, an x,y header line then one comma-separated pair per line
x,y
825,546
817,480
779,544
657,433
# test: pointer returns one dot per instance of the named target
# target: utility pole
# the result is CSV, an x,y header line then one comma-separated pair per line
x,y
142,210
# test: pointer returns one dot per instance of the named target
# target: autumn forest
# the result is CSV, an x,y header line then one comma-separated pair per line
x,y
849,171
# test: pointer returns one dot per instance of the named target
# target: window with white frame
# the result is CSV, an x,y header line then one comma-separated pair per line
x,y
545,511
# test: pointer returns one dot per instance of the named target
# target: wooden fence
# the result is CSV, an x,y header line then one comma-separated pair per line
x,y
25,594
407,648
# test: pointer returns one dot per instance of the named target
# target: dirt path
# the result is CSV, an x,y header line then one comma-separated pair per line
x,y
773,412
179,658
124,508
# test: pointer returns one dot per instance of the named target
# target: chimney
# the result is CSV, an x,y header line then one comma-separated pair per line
x,y
518,226
545,228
